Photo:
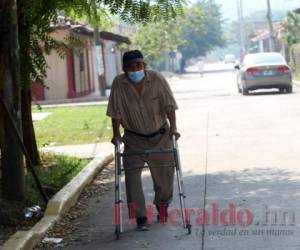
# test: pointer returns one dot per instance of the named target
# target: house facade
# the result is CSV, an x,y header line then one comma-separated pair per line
x,y
76,74
112,55
261,41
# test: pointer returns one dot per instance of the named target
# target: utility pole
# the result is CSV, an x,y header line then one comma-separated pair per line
x,y
99,82
271,29
240,13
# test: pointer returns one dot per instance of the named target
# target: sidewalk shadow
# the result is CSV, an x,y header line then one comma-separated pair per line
x,y
265,192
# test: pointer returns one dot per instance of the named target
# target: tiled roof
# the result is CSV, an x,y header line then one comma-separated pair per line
x,y
63,23
263,34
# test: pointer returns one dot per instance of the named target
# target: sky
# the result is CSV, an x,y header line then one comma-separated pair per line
x,y
229,7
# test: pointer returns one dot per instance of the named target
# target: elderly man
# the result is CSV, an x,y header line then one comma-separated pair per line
x,y
142,102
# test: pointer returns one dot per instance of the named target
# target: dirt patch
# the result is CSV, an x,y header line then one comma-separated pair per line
x,y
54,173
12,219
66,228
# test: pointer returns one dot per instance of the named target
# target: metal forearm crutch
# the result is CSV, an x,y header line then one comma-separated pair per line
x,y
118,200
185,219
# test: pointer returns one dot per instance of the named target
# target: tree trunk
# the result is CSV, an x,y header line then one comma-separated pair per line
x,y
182,65
27,126
29,138
13,183
99,80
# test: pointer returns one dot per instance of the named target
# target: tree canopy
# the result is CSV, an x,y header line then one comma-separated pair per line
x,y
202,29
194,34
157,40
291,24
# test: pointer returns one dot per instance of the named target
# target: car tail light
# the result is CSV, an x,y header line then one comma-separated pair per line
x,y
283,69
251,71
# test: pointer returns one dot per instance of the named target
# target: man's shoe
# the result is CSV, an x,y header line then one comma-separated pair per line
x,y
142,227
142,224
162,216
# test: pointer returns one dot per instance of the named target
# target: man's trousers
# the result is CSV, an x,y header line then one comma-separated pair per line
x,y
161,168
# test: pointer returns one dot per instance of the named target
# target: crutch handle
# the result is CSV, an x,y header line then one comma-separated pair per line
x,y
174,142
118,148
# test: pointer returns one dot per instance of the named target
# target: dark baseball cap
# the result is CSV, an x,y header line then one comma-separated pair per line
x,y
132,56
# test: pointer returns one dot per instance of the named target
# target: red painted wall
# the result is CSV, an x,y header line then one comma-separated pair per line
x,y
38,92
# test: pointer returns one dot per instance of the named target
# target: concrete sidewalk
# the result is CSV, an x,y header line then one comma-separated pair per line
x,y
93,97
73,104
296,82
83,151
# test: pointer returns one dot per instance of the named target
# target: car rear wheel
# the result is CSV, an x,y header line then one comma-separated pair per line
x,y
281,90
289,89
245,91
239,89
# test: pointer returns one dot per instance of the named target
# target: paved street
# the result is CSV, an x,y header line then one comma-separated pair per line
x,y
237,151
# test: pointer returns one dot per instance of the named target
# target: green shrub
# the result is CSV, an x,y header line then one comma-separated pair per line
x,y
295,58
54,173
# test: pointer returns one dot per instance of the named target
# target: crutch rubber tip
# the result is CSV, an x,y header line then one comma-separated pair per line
x,y
117,233
189,228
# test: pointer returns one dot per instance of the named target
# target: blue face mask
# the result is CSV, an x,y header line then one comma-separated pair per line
x,y
136,76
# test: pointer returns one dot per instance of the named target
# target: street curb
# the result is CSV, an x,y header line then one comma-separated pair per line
x,y
297,82
57,206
